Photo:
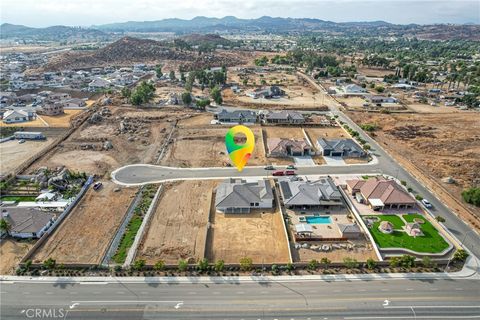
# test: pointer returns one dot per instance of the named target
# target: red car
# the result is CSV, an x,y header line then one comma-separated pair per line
x,y
290,173
278,173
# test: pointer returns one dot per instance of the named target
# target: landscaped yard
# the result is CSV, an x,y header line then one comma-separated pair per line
x,y
18,198
431,241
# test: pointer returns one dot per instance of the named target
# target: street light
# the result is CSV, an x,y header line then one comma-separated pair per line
x,y
461,243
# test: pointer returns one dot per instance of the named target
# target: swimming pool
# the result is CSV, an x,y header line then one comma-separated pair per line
x,y
318,220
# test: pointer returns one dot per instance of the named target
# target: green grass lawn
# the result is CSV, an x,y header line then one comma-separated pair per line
x,y
18,198
431,241
127,239
395,220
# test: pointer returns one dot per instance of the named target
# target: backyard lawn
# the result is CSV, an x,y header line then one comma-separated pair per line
x,y
431,241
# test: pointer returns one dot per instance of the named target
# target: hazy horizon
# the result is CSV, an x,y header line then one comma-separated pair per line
x,y
93,12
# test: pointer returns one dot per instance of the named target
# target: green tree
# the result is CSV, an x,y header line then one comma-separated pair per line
x,y
182,265
219,265
5,226
394,262
159,265
172,75
143,93
407,261
440,219
203,103
246,263
380,89
186,98
472,196
289,267
245,81
158,71
216,95
427,262
126,92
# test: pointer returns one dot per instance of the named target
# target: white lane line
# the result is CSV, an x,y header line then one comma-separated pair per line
x,y
192,292
459,289
94,282
437,307
409,289
123,301
96,292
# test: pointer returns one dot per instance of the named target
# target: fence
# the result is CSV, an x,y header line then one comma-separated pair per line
x,y
59,220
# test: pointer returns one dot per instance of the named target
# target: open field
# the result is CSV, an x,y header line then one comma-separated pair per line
x,y
11,252
205,147
326,133
13,154
178,228
361,252
84,236
374,72
284,132
258,235
432,147
430,242
139,143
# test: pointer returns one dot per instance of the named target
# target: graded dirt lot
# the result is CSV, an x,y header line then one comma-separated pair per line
x,y
13,154
178,228
283,132
140,140
205,147
336,255
432,147
326,133
85,234
11,252
256,235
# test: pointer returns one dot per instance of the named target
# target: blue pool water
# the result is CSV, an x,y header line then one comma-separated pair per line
x,y
318,220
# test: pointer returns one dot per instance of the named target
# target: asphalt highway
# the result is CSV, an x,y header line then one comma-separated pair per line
x,y
395,299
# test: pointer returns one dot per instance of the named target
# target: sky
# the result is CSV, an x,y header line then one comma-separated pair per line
x,y
41,13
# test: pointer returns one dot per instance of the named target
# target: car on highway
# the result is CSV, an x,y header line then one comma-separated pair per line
x,y
426,203
291,167
270,167
289,172
278,173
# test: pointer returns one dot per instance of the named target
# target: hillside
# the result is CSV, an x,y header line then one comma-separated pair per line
x,y
129,50
53,33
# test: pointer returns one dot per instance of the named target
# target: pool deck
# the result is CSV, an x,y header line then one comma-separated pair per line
x,y
326,230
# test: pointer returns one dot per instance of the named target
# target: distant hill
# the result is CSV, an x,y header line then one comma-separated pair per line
x,y
205,39
54,33
128,51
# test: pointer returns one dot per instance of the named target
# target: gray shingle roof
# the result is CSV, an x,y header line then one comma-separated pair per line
x,y
26,220
340,145
309,193
239,193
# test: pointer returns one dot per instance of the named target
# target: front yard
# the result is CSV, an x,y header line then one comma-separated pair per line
x,y
430,242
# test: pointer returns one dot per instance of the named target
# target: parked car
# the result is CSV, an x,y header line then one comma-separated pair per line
x,y
290,173
270,167
21,141
97,185
278,173
291,166
426,203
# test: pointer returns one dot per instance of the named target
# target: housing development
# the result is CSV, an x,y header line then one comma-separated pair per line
x,y
365,167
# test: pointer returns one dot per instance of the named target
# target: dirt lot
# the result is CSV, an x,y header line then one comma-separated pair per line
x,y
178,227
84,236
374,72
336,255
205,147
139,143
11,252
284,132
435,146
256,235
327,133
13,154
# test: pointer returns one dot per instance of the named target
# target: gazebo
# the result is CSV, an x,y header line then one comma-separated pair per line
x,y
386,227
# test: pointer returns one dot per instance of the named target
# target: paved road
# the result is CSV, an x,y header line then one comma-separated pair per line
x,y
440,299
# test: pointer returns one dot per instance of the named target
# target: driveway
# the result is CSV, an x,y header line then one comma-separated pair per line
x,y
304,161
334,161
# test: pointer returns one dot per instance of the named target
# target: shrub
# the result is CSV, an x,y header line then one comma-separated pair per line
x,y
472,196
460,255
312,265
371,264
138,264
274,268
419,197
325,262
246,264
49,263
403,182
394,262
219,265
440,219
202,264
407,261
182,265
289,267
380,89
186,98
427,262
350,263
159,265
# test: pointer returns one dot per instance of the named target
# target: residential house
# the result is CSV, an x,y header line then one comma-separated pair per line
x,y
322,193
237,116
74,103
52,109
30,135
382,99
98,84
27,222
266,93
380,193
240,196
284,117
15,116
353,89
280,147
340,148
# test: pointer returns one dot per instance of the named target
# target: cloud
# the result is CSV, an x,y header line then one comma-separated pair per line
x,y
90,12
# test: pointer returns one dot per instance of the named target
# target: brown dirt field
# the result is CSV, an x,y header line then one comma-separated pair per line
x,y
256,235
205,147
451,148
375,72
197,120
336,255
84,236
101,162
284,132
327,133
178,227
355,160
61,121
11,252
